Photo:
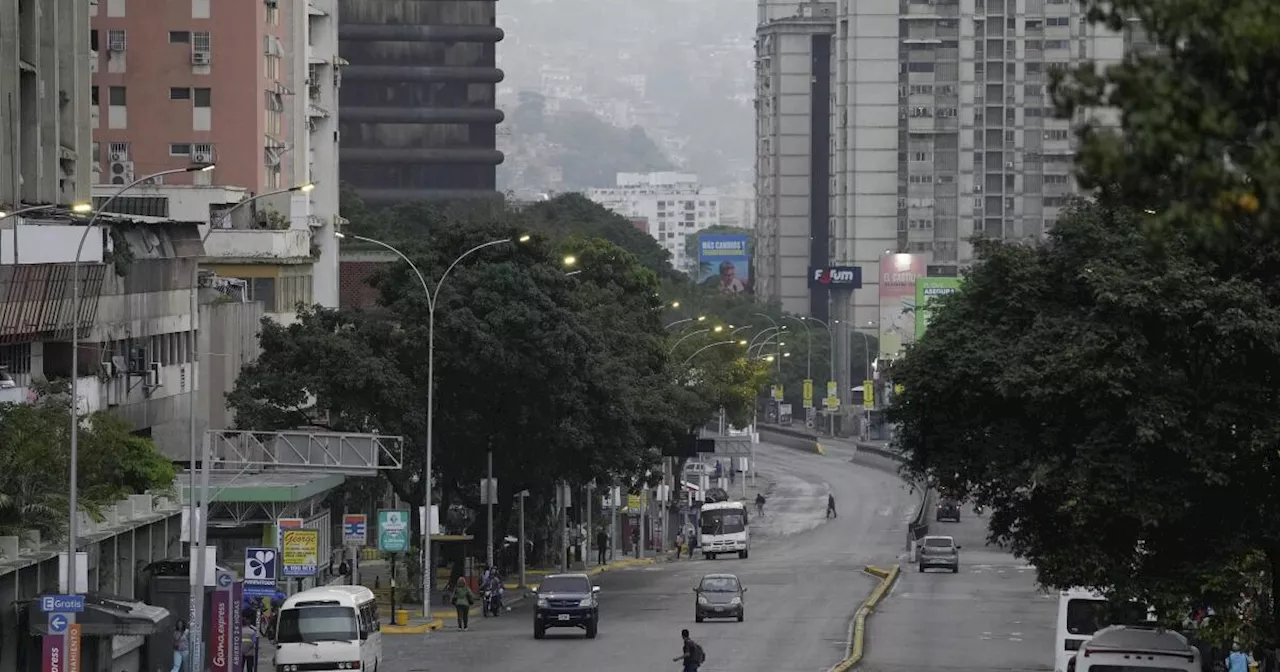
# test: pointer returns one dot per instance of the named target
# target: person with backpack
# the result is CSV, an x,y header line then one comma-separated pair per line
x,y
692,655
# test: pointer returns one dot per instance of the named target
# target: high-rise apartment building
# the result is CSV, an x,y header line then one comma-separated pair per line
x,y
944,128
44,109
941,127
793,168
674,205
250,86
418,111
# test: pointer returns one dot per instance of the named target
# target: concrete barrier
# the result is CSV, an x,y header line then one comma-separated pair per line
x,y
858,627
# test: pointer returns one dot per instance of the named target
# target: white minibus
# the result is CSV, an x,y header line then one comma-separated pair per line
x,y
330,628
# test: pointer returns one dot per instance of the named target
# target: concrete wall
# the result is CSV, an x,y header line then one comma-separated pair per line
x,y
227,344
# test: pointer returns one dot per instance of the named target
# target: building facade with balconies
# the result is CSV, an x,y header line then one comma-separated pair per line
x,y
44,85
133,318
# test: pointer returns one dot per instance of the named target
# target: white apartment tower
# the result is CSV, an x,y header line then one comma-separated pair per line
x,y
943,127
321,72
674,205
44,103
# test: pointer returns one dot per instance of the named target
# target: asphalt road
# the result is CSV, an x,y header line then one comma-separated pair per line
x,y
804,581
990,617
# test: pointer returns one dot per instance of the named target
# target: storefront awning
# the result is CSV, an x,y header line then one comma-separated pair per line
x,y
106,616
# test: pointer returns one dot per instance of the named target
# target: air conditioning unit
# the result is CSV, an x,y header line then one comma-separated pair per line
x,y
93,62
153,376
200,58
116,45
121,172
201,157
117,157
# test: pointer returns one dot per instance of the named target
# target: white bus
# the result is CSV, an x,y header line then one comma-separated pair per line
x,y
1121,648
1081,613
724,528
332,628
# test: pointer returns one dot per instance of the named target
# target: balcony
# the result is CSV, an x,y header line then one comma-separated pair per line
x,y
259,245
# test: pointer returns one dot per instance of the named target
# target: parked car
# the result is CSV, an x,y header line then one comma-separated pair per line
x,y
719,596
567,601
939,552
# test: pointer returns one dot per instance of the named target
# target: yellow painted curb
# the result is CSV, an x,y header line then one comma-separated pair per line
x,y
858,628
817,448
419,629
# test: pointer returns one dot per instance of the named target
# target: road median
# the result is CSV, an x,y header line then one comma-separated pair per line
x,y
858,627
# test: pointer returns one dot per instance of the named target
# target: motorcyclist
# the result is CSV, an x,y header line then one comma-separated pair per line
x,y
492,586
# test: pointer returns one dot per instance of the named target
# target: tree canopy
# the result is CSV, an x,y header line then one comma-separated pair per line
x,y
563,377
1115,409
34,441
1198,146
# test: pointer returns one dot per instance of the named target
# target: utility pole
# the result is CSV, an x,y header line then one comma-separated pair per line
x,y
522,495
644,528
586,542
490,492
615,495
563,490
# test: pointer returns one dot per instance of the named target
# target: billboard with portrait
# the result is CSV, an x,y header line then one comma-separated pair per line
x,y
724,261
898,274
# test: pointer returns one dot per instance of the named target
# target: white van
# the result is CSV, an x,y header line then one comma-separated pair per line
x,y
332,628
1124,648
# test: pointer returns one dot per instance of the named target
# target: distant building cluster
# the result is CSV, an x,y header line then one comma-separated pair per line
x,y
672,205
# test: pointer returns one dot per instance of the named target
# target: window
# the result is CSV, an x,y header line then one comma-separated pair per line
x,y
1056,44
921,88
1060,21
919,67
180,149
317,624
116,96
1055,179
920,156
201,42
93,96
93,40
1034,25
115,40
203,97
179,37
1056,134
1033,89
179,93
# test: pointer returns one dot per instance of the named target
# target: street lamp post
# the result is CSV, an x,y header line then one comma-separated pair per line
x,y
197,514
691,334
700,318
704,348
831,358
73,499
427,569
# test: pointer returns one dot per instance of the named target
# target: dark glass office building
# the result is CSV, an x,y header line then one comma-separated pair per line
x,y
416,112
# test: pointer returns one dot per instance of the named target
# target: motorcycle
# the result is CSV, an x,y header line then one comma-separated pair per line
x,y
491,603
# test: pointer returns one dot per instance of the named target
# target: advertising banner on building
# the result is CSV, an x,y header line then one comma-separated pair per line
x,y
724,262
898,273
928,290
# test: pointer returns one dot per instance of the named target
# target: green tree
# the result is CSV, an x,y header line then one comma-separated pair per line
x,y
1198,146
34,442
1115,409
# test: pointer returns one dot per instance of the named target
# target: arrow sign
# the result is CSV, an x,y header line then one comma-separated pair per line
x,y
58,623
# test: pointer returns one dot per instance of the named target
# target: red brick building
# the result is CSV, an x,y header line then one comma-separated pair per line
x,y
355,269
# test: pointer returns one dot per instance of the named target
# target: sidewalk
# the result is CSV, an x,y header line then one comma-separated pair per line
x,y
418,624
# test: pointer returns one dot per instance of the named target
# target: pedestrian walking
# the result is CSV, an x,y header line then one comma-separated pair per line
x,y
760,504
635,540
691,538
680,542
181,645
692,654
602,546
1237,661
249,640
831,506
463,598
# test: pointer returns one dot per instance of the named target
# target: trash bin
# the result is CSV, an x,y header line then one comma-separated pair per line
x,y
402,617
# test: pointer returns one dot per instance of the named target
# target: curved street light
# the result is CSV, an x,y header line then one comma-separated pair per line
x,y
808,346
704,348
78,208
691,334
73,500
432,296
700,318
